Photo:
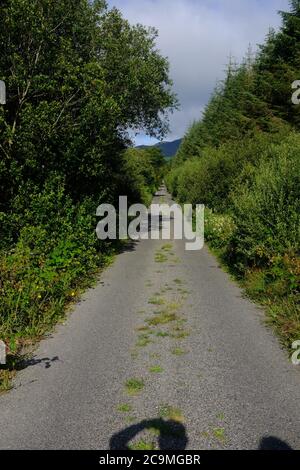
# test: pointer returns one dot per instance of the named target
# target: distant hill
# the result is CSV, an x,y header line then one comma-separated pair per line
x,y
168,149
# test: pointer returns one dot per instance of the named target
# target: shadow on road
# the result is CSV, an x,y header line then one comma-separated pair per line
x,y
273,443
129,246
171,435
45,361
15,362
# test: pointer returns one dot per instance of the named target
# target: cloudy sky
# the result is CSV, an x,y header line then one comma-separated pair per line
x,y
198,36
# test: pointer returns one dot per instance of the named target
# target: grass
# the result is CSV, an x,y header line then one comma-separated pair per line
x,y
173,306
154,356
161,258
14,362
142,445
134,354
219,434
216,433
156,369
149,284
180,334
178,351
167,247
162,318
282,307
134,386
144,329
184,291
124,408
155,431
156,301
35,299
6,377
282,310
162,334
172,413
143,341
165,316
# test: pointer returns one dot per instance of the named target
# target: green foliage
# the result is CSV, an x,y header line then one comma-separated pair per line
x,y
211,178
142,173
242,161
41,272
266,212
79,77
219,229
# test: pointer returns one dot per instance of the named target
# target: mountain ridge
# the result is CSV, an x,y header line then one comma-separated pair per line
x,y
169,149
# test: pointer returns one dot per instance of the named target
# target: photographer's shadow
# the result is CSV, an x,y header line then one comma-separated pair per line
x,y
171,434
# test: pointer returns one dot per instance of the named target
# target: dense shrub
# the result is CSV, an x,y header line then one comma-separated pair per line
x,y
51,245
142,173
210,178
266,212
219,229
56,246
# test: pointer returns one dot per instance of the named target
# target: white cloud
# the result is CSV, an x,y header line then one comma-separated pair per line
x,y
198,36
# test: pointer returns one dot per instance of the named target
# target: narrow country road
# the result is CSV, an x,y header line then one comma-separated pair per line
x,y
164,352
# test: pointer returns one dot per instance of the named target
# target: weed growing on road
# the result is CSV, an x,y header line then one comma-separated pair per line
x,y
167,247
178,281
149,284
156,369
180,333
161,258
154,356
172,413
6,377
162,318
144,329
124,408
142,445
143,341
156,301
165,254
134,386
168,300
219,434
162,334
178,351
